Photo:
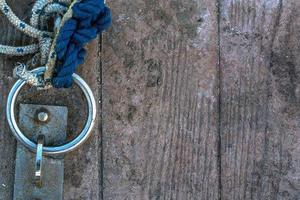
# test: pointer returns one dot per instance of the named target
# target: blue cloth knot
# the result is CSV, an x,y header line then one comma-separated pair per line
x,y
90,17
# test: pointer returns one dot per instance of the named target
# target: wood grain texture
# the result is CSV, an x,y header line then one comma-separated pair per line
x,y
260,99
82,167
178,80
159,101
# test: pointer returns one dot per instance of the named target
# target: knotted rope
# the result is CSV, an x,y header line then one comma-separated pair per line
x,y
61,51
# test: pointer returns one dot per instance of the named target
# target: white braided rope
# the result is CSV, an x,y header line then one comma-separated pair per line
x,y
51,9
19,24
19,51
41,12
46,7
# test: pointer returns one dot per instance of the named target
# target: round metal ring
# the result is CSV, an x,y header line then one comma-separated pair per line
x,y
52,150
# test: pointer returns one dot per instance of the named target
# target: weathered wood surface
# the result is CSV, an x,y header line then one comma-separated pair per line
x,y
160,101
200,100
260,99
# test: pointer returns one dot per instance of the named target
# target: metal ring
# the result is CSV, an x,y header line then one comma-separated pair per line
x,y
53,150
39,161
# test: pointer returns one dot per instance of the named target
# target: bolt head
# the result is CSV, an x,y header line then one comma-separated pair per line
x,y
43,117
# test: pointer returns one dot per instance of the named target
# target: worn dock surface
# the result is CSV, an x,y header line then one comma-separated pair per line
x,y
197,99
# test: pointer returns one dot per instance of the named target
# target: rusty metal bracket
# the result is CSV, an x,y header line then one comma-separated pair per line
x,y
50,121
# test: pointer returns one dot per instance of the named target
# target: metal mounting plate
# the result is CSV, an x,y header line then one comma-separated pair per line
x,y
54,130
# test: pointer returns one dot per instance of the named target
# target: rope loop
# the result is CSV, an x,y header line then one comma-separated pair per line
x,y
61,49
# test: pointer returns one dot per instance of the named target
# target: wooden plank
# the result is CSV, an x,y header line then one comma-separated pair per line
x,y
160,100
7,143
260,99
82,167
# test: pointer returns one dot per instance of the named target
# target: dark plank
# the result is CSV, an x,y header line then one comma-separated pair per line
x,y
160,101
82,167
260,99
7,143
